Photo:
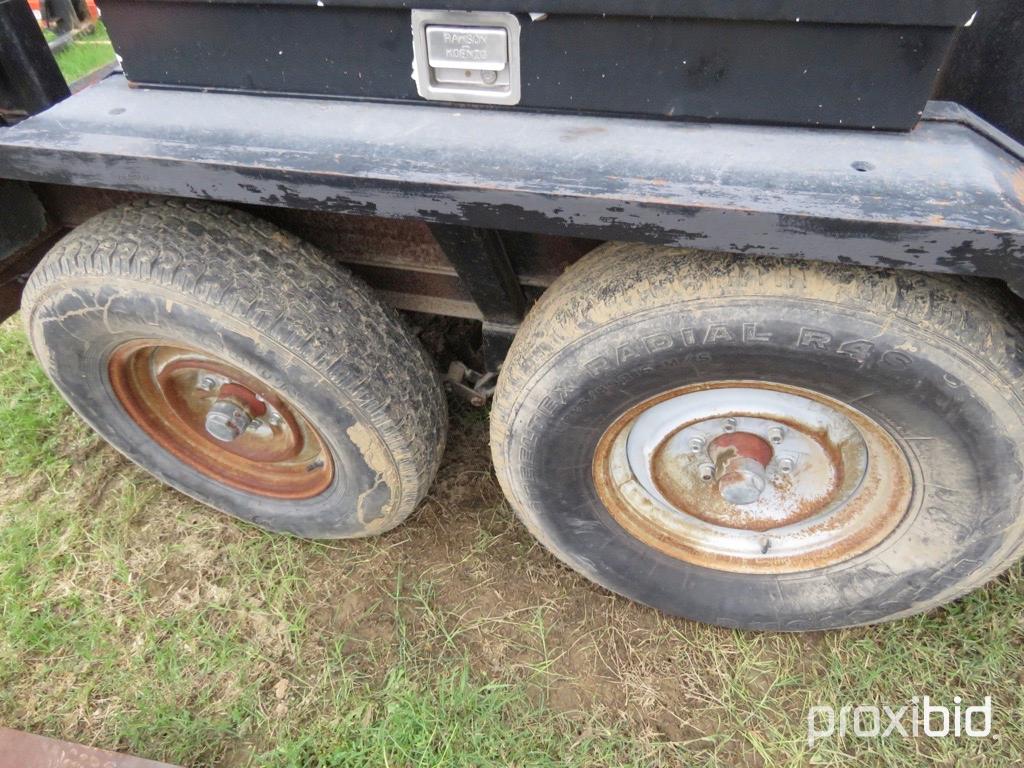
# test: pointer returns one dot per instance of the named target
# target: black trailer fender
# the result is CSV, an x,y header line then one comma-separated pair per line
x,y
947,196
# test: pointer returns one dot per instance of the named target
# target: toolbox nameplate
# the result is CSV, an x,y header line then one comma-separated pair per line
x,y
466,56
473,47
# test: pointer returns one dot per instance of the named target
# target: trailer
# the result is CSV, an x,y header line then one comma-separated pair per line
x,y
758,368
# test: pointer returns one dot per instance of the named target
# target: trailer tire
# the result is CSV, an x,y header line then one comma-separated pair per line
x,y
330,416
928,370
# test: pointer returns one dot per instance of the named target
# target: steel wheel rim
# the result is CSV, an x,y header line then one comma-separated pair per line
x,y
168,390
832,484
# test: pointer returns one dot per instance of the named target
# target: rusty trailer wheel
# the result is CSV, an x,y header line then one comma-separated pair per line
x,y
232,361
752,477
767,444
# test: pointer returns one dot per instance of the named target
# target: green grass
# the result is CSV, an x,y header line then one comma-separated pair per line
x,y
132,618
86,54
31,418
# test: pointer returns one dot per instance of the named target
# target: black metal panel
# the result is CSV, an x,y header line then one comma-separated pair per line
x,y
479,257
986,69
906,12
497,339
24,218
23,226
945,197
29,78
724,65
485,269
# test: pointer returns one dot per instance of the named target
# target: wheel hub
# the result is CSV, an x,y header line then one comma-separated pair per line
x,y
227,420
740,459
236,409
751,476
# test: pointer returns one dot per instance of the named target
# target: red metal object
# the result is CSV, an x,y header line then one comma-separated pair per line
x,y
26,750
740,460
740,445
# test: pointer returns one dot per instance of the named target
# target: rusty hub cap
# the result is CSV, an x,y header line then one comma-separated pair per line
x,y
753,477
220,421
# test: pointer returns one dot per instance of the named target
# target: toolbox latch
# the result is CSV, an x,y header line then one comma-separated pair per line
x,y
466,56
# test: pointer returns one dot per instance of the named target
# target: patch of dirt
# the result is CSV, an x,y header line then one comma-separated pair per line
x,y
472,580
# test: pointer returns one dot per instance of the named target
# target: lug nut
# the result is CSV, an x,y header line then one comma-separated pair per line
x,y
274,419
730,425
786,465
776,434
207,383
697,444
707,472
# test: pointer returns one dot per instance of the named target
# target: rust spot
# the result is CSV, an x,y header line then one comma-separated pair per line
x,y
740,444
705,503
579,132
1018,183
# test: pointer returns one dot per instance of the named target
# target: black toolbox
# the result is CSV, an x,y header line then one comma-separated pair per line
x,y
853,63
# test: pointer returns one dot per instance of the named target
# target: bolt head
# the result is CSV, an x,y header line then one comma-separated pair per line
x,y
489,77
